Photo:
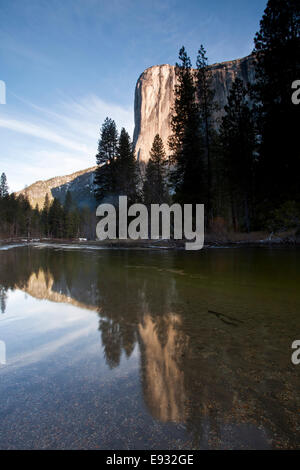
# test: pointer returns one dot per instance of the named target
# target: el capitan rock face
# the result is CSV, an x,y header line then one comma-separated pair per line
x,y
154,99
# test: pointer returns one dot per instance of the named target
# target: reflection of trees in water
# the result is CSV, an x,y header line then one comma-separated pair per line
x,y
136,305
115,339
126,294
194,368
14,273
118,307
15,268
212,376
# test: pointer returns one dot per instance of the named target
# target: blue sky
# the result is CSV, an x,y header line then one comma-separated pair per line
x,y
67,64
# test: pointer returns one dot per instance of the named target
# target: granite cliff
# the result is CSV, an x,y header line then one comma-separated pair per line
x,y
80,184
154,98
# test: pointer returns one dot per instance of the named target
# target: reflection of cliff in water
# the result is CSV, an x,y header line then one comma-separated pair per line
x,y
215,377
162,372
52,275
41,285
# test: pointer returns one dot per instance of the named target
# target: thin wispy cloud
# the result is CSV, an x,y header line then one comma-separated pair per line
x,y
63,138
40,132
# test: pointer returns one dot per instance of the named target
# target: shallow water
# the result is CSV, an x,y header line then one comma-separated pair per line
x,y
122,349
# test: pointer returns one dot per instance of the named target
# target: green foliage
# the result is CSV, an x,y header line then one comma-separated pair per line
x,y
71,218
206,108
126,168
277,52
19,219
68,204
284,217
56,219
238,151
155,187
105,175
3,186
45,217
117,172
185,142
107,147
254,164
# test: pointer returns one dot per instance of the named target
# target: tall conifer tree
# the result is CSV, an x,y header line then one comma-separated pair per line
x,y
56,219
45,216
105,175
3,186
126,168
207,108
238,145
185,141
155,187
277,65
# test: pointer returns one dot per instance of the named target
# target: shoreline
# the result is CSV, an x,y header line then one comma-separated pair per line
x,y
211,242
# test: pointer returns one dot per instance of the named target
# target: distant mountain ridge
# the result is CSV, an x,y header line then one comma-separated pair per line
x,y
80,184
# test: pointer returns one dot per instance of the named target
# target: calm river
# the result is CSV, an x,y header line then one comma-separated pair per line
x,y
142,349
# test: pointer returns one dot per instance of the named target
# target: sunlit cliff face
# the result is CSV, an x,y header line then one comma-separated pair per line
x,y
154,99
163,378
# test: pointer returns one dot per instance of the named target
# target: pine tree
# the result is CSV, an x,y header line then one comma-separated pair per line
x,y
27,211
207,106
126,168
56,219
45,216
185,141
4,205
155,187
18,218
36,221
277,52
10,210
69,220
68,204
88,222
3,186
105,175
238,147
75,223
